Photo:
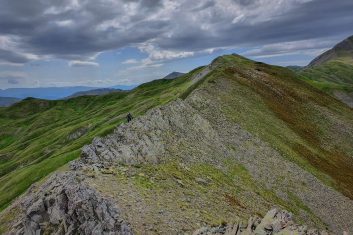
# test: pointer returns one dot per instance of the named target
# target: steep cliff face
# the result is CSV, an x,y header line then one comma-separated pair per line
x,y
248,138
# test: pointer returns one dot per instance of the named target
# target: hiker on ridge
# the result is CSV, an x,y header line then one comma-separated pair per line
x,y
129,117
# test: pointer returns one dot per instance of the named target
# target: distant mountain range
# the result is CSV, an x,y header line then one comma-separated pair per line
x,y
8,101
100,91
12,95
173,75
54,93
51,93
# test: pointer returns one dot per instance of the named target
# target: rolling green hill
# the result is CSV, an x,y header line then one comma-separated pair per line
x,y
39,136
332,72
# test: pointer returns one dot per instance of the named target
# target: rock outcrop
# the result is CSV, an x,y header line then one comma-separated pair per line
x,y
275,222
64,205
151,138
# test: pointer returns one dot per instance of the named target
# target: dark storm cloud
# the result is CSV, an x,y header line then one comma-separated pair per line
x,y
245,2
71,29
77,30
12,57
315,19
320,18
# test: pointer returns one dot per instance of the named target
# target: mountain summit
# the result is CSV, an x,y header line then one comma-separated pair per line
x,y
343,51
332,72
173,75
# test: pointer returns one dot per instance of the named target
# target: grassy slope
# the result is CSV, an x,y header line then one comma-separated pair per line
x,y
39,136
330,76
306,125
332,72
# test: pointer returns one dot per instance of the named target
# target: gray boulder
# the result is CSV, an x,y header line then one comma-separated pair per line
x,y
275,222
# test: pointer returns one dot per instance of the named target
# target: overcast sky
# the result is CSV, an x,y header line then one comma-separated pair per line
x,y
109,42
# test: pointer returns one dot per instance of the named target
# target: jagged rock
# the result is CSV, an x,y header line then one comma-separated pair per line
x,y
65,205
149,138
275,222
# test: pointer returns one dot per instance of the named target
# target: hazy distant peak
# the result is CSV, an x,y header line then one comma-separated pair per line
x,y
173,75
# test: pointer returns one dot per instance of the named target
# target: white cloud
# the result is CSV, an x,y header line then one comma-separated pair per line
x,y
156,54
143,66
238,19
304,47
78,63
64,23
130,61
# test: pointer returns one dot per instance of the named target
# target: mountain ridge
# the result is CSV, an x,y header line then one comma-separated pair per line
x,y
332,72
8,101
245,134
94,92
341,51
51,93
173,75
30,151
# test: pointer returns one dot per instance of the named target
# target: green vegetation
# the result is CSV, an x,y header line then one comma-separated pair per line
x,y
298,121
39,136
330,76
305,125
332,72
7,218
216,194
